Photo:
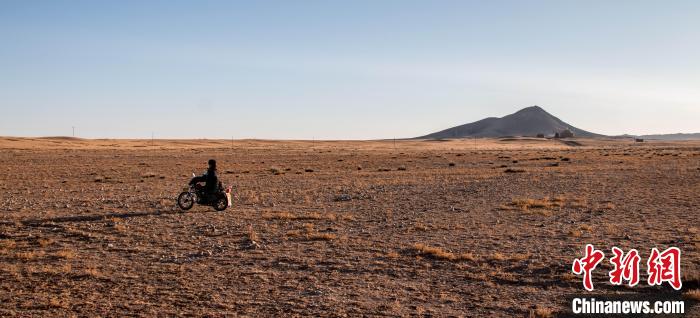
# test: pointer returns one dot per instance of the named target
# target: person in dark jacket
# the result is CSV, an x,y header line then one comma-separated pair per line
x,y
209,178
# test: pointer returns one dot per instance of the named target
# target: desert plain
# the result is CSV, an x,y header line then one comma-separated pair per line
x,y
449,228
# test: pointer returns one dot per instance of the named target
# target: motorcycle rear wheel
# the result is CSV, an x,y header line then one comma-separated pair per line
x,y
185,201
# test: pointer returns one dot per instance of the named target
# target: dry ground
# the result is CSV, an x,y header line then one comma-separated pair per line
x,y
446,228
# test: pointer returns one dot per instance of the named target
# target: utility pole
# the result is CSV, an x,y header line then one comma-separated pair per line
x,y
73,130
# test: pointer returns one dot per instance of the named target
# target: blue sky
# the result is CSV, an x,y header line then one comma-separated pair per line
x,y
343,69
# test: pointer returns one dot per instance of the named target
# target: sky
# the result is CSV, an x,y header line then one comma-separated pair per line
x,y
343,69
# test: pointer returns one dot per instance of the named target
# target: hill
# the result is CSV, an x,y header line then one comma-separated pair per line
x,y
529,121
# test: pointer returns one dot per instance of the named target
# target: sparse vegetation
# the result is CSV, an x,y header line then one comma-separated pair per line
x,y
65,254
309,233
276,170
499,257
284,215
420,227
6,245
321,236
440,254
692,295
297,238
575,233
29,255
44,242
541,312
545,206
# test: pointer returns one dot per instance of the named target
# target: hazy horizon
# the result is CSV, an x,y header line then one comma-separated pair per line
x,y
334,70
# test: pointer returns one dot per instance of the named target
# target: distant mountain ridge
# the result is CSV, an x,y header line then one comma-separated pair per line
x,y
529,121
678,136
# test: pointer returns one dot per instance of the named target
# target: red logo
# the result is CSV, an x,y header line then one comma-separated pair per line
x,y
626,267
587,264
661,267
665,267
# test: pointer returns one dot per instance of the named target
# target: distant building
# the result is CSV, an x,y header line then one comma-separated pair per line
x,y
638,140
540,135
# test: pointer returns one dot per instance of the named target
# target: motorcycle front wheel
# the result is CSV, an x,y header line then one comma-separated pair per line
x,y
221,203
185,200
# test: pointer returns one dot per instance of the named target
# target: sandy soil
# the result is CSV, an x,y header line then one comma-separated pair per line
x,y
472,228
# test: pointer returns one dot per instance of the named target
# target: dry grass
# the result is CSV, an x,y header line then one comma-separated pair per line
x,y
306,250
65,254
320,236
578,232
504,276
91,271
520,257
541,312
586,228
252,236
295,233
55,302
279,216
691,276
7,245
527,204
440,254
466,256
434,252
575,233
497,256
608,206
308,216
544,206
26,256
148,175
579,203
393,255
53,269
692,295
44,242
308,233
479,277
420,227
500,257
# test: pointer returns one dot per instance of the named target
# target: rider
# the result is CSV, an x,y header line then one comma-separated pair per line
x,y
209,178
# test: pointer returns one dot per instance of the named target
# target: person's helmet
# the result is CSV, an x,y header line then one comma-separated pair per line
x,y
212,163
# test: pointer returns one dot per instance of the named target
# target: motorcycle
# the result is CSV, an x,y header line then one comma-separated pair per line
x,y
195,193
